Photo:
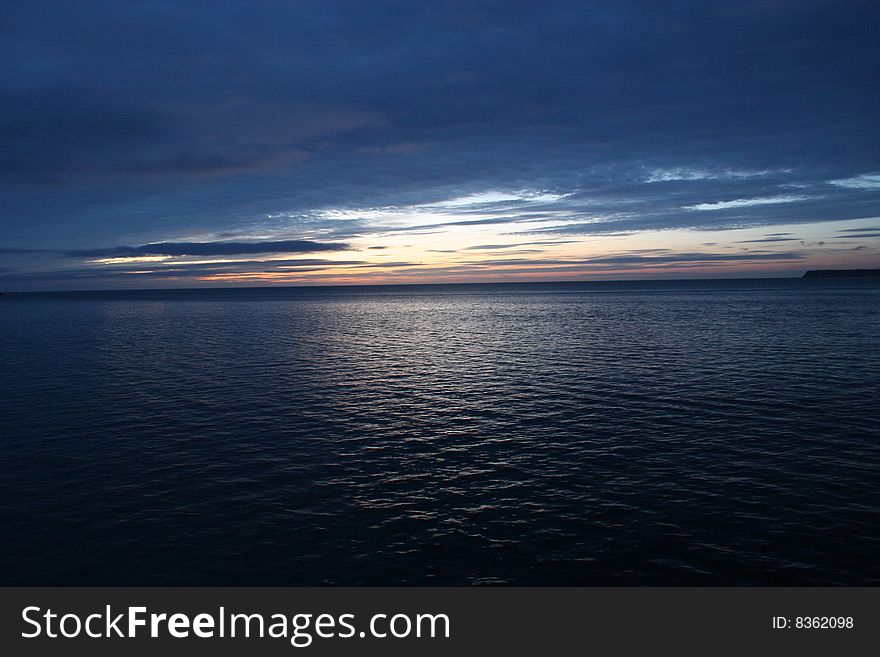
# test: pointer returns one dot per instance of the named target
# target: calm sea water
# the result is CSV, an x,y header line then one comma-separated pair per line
x,y
723,432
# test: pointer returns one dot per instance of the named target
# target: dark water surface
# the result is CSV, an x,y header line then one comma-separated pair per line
x,y
715,432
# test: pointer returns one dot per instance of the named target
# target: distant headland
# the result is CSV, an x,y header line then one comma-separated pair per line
x,y
841,273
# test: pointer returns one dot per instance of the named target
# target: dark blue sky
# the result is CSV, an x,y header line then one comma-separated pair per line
x,y
433,141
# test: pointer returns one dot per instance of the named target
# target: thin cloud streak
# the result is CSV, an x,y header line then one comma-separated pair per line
x,y
208,249
744,203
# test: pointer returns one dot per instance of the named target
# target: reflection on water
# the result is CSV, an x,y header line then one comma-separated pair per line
x,y
707,433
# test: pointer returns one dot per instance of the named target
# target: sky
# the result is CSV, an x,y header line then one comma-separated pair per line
x,y
231,143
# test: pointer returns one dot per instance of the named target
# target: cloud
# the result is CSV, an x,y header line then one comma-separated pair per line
x,y
491,247
744,203
770,239
855,236
242,270
864,181
696,257
208,249
676,174
652,258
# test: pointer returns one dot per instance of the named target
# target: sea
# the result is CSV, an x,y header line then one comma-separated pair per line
x,y
608,433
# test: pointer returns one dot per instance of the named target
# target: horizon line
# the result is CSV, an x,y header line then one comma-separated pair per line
x,y
448,284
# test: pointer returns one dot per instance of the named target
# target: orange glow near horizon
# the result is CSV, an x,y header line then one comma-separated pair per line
x,y
487,254
405,247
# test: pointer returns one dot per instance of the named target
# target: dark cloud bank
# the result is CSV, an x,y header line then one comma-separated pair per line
x,y
208,249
